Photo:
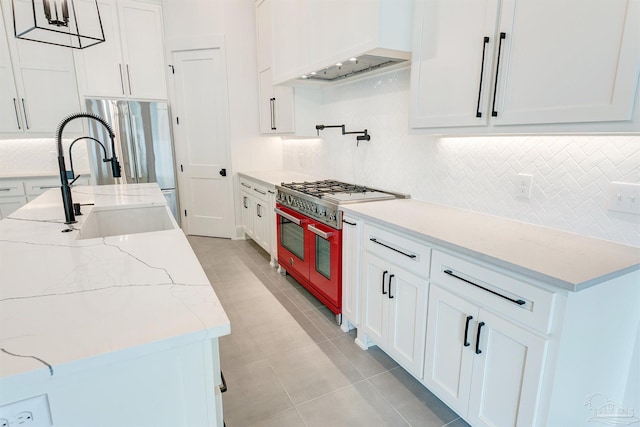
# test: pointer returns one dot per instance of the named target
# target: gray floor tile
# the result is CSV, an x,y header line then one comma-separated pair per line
x,y
303,298
458,423
325,320
280,334
254,393
358,405
412,400
313,371
370,362
240,348
288,418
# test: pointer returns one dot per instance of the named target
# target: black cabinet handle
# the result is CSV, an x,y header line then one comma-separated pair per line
x,y
494,113
26,118
347,222
244,202
259,210
374,240
466,331
223,386
484,49
515,301
121,79
15,107
129,80
272,103
384,273
391,277
480,325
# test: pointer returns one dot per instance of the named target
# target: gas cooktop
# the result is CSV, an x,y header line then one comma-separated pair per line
x,y
320,199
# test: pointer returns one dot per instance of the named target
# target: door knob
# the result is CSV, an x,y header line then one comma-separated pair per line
x,y
223,172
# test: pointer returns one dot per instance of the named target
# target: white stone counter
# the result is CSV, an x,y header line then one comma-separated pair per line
x,y
277,177
566,260
64,300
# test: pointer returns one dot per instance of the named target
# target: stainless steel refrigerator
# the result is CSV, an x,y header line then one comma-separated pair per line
x,y
143,144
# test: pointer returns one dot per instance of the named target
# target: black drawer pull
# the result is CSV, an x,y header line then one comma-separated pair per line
x,y
347,222
466,332
515,301
484,49
384,273
480,325
374,240
391,276
494,113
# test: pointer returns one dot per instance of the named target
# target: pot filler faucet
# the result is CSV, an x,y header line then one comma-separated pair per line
x,y
65,187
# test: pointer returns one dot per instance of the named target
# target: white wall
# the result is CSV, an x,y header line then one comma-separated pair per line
x,y
571,173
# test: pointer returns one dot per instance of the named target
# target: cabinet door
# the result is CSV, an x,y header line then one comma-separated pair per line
x,y
260,225
10,120
351,247
449,347
568,61
284,109
506,378
407,319
143,49
263,31
100,67
9,205
375,306
452,62
266,102
247,213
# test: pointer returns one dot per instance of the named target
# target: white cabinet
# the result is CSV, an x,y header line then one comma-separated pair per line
x,y
277,103
130,63
258,218
484,367
351,255
12,197
517,62
42,90
394,296
276,106
486,342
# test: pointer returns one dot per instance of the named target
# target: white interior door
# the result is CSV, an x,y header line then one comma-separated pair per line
x,y
202,141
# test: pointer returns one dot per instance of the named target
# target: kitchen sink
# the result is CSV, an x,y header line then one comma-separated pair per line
x,y
110,221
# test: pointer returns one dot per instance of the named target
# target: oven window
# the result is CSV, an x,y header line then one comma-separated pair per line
x,y
292,237
323,257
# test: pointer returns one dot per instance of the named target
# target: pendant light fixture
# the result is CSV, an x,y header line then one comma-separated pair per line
x,y
69,23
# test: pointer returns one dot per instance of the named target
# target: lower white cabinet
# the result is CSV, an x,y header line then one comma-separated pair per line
x,y
393,311
484,367
351,255
258,218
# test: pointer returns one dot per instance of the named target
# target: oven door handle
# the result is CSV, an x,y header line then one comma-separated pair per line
x,y
293,219
319,232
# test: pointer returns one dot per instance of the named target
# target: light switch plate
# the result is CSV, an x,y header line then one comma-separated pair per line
x,y
624,197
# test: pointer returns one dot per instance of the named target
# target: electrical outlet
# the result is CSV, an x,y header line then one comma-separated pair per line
x,y
32,412
523,185
624,197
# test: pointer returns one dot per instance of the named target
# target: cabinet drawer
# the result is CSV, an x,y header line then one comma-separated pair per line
x,y
259,191
402,251
11,188
36,187
523,302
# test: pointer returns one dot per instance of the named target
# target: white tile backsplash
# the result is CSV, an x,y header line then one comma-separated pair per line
x,y
571,174
33,157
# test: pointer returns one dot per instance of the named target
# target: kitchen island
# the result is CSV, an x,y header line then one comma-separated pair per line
x,y
114,331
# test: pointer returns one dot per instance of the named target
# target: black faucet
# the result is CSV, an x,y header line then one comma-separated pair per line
x,y
65,187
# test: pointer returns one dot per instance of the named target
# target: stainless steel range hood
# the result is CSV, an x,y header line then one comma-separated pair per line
x,y
355,66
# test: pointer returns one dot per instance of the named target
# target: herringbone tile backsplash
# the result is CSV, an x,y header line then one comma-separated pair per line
x,y
571,174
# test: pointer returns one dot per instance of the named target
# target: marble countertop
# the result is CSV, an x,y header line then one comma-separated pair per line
x,y
64,300
565,260
276,177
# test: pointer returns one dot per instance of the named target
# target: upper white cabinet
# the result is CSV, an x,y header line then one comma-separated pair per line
x,y
521,62
130,63
38,81
310,35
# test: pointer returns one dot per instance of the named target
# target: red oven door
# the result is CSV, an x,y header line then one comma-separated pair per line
x,y
325,264
293,250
